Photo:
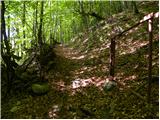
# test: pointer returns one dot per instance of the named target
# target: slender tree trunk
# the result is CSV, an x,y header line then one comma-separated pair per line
x,y
3,28
40,26
18,36
51,26
8,27
84,17
40,42
136,11
126,4
23,23
6,56
24,18
61,33
55,28
36,24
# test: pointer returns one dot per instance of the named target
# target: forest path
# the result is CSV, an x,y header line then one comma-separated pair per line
x,y
76,70
65,51
75,73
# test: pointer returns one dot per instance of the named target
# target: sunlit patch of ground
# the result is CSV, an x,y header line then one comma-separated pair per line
x,y
53,112
79,82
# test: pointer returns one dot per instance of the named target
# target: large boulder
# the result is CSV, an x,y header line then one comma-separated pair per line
x,y
40,88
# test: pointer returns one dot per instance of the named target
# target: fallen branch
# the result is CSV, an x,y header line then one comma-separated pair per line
x,y
138,95
132,91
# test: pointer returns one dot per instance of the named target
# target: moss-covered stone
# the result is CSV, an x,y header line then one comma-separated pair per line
x,y
109,85
40,89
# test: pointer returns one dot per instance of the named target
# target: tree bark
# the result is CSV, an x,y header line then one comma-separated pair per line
x,y
136,11
23,45
6,56
40,42
40,26
24,18
36,23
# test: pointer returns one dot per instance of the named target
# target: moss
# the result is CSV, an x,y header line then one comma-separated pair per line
x,y
40,88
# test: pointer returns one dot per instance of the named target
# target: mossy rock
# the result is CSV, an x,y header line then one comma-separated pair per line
x,y
109,85
14,109
40,88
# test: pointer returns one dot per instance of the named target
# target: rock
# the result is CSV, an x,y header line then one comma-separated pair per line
x,y
14,109
40,88
109,85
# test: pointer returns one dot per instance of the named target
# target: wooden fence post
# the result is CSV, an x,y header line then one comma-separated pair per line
x,y
112,59
150,22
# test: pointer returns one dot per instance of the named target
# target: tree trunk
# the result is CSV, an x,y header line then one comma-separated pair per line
x,y
40,26
55,28
24,18
136,11
126,4
8,27
40,42
6,56
23,23
36,23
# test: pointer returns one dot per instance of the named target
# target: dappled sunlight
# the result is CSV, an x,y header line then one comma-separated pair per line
x,y
105,45
136,66
68,53
86,69
132,77
59,85
105,27
53,112
120,74
85,40
131,47
78,57
81,82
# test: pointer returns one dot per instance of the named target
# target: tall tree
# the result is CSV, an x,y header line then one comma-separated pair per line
x,y
23,24
136,11
35,23
40,42
24,18
8,24
6,55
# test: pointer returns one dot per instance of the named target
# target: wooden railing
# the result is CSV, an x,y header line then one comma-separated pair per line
x,y
149,18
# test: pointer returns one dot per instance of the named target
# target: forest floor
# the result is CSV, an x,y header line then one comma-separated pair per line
x,y
76,83
77,73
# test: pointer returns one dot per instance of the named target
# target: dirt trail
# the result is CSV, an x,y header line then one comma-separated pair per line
x,y
66,52
75,70
81,72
